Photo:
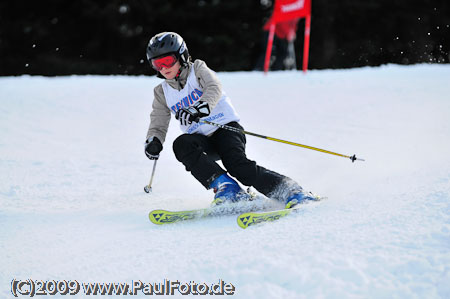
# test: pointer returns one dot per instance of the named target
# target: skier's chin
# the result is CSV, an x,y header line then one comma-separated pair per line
x,y
169,75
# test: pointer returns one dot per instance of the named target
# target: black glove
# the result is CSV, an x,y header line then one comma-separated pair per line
x,y
152,148
193,113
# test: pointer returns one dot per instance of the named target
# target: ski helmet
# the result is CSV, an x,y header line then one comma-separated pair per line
x,y
167,43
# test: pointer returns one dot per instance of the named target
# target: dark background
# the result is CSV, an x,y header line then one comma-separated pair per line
x,y
57,37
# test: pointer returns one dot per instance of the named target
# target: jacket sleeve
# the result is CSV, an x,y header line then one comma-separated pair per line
x,y
159,117
212,88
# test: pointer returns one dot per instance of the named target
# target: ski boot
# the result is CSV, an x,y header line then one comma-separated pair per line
x,y
299,197
226,190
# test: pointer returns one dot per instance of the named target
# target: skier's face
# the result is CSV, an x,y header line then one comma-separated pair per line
x,y
170,72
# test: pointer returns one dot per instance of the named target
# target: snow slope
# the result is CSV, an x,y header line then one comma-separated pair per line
x,y
72,172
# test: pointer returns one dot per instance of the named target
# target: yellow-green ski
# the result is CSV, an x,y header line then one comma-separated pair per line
x,y
251,218
248,219
166,217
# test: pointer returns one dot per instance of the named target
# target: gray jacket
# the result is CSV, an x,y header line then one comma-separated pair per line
x,y
160,115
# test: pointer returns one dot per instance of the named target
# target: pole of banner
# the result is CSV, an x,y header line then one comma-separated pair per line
x,y
306,42
269,47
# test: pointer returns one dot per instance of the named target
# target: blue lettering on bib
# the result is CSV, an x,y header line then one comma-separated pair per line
x,y
193,97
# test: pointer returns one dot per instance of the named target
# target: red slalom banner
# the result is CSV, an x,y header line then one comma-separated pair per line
x,y
288,10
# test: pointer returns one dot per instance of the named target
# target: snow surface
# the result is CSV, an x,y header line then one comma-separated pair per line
x,y
72,172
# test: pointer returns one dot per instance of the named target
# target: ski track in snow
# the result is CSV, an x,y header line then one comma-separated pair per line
x,y
72,172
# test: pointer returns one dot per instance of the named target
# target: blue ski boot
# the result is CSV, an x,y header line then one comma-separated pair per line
x,y
226,189
299,197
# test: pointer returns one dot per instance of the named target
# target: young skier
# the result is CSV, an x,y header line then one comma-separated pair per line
x,y
191,91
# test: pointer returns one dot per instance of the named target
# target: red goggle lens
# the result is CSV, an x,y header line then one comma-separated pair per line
x,y
166,61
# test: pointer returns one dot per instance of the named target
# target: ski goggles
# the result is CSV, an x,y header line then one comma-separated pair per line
x,y
165,61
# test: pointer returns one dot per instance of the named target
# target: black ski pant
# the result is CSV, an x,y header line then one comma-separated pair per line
x,y
199,153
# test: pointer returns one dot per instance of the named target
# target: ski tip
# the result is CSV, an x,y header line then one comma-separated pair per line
x,y
244,220
155,216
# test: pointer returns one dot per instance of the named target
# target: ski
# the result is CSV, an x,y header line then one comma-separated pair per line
x,y
251,218
247,219
166,217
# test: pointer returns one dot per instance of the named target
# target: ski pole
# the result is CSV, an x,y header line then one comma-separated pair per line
x,y
352,158
148,188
